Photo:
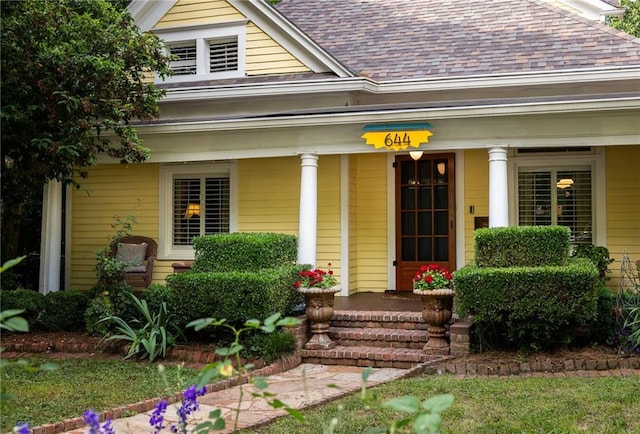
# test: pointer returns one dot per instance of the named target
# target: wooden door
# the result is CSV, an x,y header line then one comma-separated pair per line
x,y
425,217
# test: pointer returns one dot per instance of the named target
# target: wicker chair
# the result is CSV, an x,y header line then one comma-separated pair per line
x,y
139,276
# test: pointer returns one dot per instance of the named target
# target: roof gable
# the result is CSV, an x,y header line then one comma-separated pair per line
x,y
270,44
409,39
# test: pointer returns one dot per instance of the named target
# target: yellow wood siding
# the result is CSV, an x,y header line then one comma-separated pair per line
x,y
263,54
190,12
623,206
476,194
111,191
266,56
371,222
269,197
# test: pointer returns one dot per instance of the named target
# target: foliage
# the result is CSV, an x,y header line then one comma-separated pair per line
x,y
630,21
226,367
269,347
598,255
61,310
602,327
109,270
627,308
74,75
317,278
244,251
536,305
235,296
432,276
116,301
521,246
30,302
149,338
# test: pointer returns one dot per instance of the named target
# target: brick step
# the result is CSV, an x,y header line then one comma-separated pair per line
x,y
377,357
379,337
378,319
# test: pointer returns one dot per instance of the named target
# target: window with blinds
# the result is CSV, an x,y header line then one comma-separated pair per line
x,y
200,207
223,55
184,59
557,197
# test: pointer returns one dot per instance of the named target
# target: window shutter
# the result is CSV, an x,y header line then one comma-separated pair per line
x,y
185,63
216,205
557,197
223,55
186,221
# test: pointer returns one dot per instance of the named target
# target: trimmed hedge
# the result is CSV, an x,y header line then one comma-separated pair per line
x,y
248,251
64,311
521,246
235,296
536,304
55,311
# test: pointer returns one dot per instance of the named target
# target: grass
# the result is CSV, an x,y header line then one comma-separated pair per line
x,y
78,384
492,405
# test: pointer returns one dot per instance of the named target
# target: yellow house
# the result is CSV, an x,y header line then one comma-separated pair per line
x,y
299,118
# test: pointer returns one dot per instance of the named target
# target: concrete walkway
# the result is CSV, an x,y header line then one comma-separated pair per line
x,y
301,387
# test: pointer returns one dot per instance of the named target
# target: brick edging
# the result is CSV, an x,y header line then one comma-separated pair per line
x,y
625,366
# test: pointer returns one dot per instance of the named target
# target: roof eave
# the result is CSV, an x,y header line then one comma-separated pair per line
x,y
351,84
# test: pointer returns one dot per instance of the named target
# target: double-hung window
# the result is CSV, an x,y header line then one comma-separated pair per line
x,y
205,53
195,200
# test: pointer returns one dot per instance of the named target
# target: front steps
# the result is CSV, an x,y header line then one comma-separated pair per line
x,y
380,339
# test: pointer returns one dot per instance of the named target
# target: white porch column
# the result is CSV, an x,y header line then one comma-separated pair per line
x,y
498,188
308,224
51,238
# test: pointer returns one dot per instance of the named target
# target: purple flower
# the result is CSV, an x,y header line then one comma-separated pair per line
x,y
92,420
157,417
21,428
189,405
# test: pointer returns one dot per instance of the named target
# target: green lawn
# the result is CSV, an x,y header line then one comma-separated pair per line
x,y
493,405
78,384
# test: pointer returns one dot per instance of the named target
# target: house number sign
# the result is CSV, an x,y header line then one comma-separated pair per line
x,y
397,137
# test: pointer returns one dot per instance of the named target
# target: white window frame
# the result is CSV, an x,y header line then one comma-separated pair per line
x,y
593,159
202,35
166,249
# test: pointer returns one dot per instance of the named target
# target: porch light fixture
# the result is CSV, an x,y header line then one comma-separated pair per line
x,y
565,183
192,209
416,155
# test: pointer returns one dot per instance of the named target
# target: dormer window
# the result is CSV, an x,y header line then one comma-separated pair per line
x,y
205,53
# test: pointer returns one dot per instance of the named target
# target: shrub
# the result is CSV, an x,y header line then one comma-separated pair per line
x,y
521,246
602,328
32,302
536,305
113,302
234,296
598,255
61,311
243,251
269,347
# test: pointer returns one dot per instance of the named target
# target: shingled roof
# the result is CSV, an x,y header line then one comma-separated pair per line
x,y
405,39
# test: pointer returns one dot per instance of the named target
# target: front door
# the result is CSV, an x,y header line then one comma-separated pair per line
x,y
425,220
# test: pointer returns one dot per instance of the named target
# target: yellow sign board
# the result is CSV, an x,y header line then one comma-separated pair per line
x,y
397,140
397,137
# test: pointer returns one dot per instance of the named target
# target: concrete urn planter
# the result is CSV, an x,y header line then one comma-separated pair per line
x,y
437,306
319,310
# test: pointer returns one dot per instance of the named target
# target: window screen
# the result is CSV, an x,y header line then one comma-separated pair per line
x,y
557,197
200,207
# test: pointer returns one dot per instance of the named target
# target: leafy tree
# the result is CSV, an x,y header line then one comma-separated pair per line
x,y
630,21
72,70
